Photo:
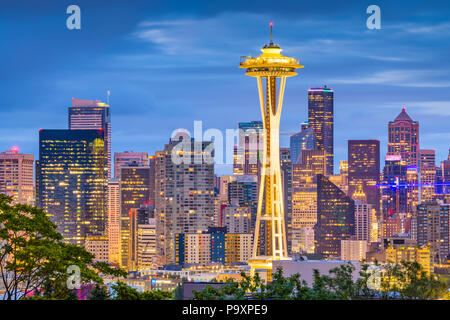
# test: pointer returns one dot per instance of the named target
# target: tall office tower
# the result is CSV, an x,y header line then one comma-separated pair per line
x,y
320,117
364,170
303,140
433,228
427,163
243,191
184,191
394,196
72,180
304,188
335,218
16,176
247,154
412,189
427,158
134,191
127,157
363,221
140,231
428,184
286,178
114,220
152,164
270,234
445,174
403,138
92,115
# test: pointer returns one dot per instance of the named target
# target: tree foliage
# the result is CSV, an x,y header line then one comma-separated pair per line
x,y
33,258
406,280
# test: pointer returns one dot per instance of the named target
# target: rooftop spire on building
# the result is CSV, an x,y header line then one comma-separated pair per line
x,y
403,116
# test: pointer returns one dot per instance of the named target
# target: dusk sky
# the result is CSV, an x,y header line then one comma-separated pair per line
x,y
168,63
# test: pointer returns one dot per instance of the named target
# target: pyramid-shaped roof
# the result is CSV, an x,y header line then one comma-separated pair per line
x,y
403,116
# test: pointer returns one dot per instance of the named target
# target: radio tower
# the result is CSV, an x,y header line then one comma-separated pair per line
x,y
270,235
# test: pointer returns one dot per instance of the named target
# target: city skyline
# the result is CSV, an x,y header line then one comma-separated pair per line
x,y
373,74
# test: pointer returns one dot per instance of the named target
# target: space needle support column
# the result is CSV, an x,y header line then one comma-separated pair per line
x,y
270,235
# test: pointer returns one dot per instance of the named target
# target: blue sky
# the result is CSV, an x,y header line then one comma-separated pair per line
x,y
168,63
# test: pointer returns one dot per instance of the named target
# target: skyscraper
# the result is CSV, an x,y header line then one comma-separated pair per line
x,y
303,140
71,180
16,176
321,118
134,191
394,196
247,154
127,157
403,138
286,178
364,170
90,115
184,197
114,220
433,228
335,218
243,191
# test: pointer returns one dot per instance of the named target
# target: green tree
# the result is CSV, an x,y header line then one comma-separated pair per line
x,y
125,292
99,293
33,258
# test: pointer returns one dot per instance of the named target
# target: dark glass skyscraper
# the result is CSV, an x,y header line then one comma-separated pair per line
x,y
394,195
364,170
335,218
71,179
92,114
320,117
303,140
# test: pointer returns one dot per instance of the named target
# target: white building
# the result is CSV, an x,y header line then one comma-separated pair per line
x,y
353,250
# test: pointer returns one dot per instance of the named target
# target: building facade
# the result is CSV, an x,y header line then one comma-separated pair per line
x,y
71,182
16,176
321,119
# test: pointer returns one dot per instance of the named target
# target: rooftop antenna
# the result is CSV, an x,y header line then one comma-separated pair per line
x,y
271,38
107,97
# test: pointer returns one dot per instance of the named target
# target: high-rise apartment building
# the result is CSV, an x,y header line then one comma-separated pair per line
x,y
321,119
433,228
184,189
134,192
364,170
128,157
335,218
403,138
16,176
92,115
363,221
71,182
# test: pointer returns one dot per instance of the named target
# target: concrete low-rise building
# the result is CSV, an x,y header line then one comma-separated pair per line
x,y
306,268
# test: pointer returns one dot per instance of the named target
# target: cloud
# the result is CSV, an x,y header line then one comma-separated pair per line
x,y
403,78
